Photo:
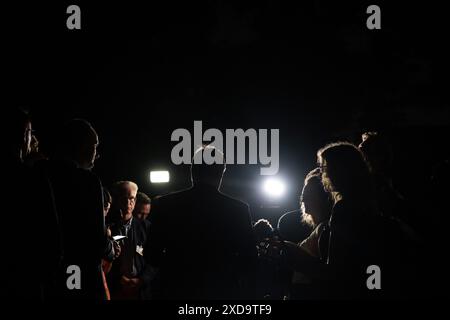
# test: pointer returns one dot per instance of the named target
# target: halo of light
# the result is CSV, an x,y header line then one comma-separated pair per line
x,y
274,187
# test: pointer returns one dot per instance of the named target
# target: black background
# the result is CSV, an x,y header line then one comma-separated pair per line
x,y
309,68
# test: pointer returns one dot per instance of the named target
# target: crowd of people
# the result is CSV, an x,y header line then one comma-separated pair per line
x,y
202,244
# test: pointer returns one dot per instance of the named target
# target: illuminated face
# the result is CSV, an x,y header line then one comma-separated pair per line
x,y
93,154
90,154
142,211
127,200
86,152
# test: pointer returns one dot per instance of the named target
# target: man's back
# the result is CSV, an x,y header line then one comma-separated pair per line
x,y
78,201
207,242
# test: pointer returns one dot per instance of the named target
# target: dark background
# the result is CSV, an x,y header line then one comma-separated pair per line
x,y
309,68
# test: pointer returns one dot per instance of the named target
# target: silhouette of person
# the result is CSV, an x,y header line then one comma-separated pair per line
x,y
355,240
316,210
271,277
379,154
353,244
78,195
202,240
315,206
33,209
263,230
291,228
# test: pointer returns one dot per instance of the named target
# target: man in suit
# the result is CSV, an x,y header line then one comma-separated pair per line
x,y
130,276
201,240
78,197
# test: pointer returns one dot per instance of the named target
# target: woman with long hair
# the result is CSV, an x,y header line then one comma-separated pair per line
x,y
353,243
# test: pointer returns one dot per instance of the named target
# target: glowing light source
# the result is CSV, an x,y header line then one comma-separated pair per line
x,y
159,176
274,187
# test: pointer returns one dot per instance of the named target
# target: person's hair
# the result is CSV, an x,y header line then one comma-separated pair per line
x,y
207,174
346,173
378,151
119,186
142,198
106,197
313,190
263,229
117,191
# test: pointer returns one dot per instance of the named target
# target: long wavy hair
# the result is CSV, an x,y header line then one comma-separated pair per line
x,y
314,191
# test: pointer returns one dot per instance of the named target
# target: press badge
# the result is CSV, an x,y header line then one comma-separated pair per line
x,y
140,250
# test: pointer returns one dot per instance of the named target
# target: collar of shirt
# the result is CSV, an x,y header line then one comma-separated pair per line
x,y
127,225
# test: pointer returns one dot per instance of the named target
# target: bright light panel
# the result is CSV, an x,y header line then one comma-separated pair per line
x,y
159,176
274,187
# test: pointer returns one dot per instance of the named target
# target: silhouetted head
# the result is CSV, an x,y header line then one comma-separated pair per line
x,y
17,126
143,206
263,230
345,172
124,195
315,200
78,142
204,174
378,152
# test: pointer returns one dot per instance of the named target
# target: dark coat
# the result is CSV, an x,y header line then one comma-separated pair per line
x,y
202,242
33,248
137,238
78,200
